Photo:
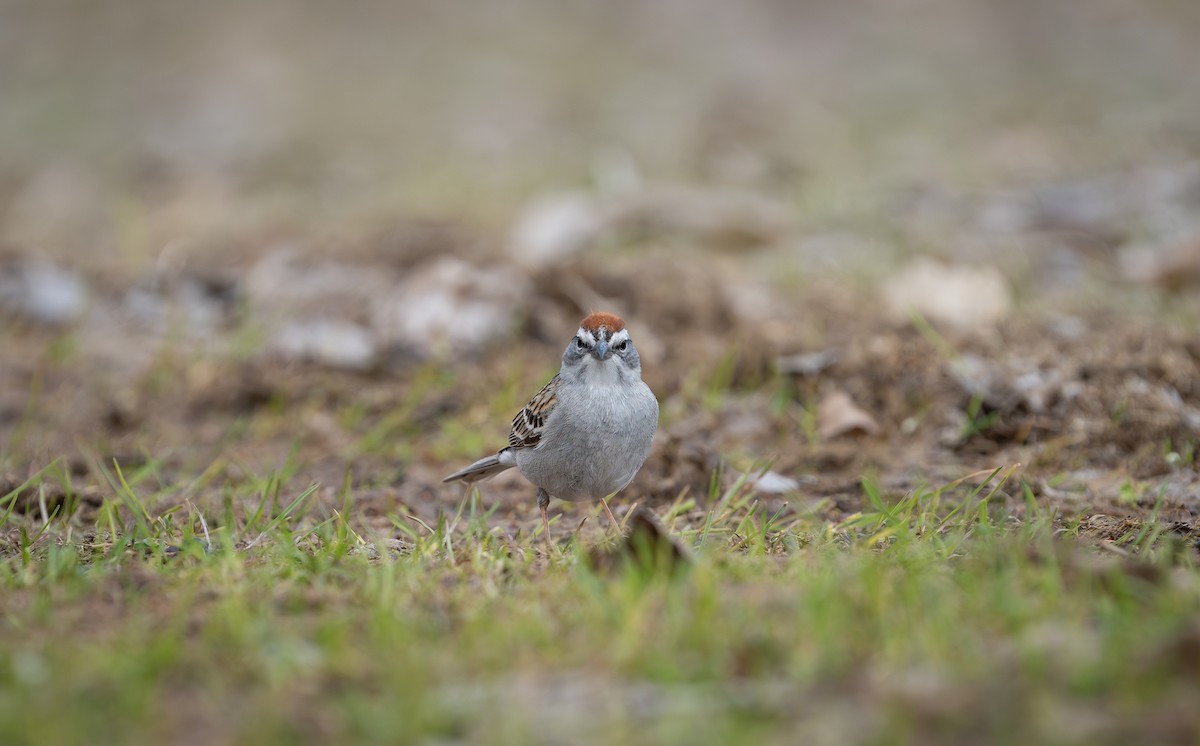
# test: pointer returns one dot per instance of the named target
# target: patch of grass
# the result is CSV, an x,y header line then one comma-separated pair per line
x,y
944,614
398,426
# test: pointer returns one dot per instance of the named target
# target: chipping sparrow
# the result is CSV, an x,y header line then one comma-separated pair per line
x,y
587,432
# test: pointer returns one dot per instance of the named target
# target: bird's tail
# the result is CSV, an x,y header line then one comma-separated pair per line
x,y
483,468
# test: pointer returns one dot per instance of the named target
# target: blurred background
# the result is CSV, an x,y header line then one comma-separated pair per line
x,y
129,127
205,208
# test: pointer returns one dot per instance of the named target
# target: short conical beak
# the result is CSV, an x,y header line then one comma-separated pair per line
x,y
602,351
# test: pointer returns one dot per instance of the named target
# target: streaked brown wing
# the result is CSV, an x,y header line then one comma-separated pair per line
x,y
527,425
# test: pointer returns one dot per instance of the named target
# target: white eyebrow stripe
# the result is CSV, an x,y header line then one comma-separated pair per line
x,y
621,336
585,336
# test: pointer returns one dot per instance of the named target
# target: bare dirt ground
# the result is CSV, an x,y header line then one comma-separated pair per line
x,y
1100,409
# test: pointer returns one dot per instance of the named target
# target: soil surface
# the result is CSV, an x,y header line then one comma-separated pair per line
x,y
825,389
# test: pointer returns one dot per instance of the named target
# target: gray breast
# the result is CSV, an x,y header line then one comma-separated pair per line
x,y
594,442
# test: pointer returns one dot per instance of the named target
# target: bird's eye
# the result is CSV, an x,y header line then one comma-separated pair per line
x,y
579,345
621,346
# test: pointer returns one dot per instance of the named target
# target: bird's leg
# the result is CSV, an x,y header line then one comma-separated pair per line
x,y
611,517
544,506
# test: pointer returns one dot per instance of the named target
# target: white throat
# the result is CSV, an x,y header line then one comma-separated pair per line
x,y
600,372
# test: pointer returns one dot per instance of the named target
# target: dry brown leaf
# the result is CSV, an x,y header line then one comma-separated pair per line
x,y
838,416
1173,271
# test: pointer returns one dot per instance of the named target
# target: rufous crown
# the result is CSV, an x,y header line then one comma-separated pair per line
x,y
598,320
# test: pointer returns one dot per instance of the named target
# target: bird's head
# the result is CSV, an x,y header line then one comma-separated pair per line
x,y
602,349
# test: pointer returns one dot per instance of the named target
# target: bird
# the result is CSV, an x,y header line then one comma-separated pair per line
x,y
586,434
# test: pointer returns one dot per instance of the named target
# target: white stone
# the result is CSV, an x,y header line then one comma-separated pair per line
x,y
774,483
338,344
43,293
451,307
961,297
